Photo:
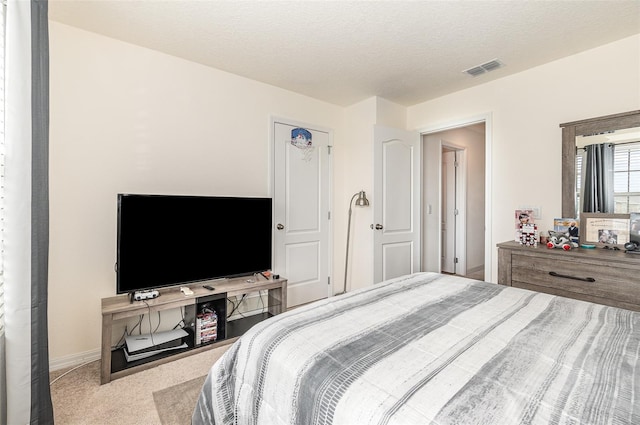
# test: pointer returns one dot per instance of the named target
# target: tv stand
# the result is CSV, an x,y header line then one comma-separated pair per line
x,y
114,365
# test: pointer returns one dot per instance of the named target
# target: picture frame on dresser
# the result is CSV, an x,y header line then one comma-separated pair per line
x,y
604,230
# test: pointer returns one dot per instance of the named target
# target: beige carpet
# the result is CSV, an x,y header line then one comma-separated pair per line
x,y
175,404
78,398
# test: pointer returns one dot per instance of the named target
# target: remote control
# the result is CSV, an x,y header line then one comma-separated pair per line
x,y
209,287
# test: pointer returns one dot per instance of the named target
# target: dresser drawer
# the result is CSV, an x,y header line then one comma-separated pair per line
x,y
586,278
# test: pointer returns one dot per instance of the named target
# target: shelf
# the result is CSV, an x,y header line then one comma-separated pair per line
x,y
238,327
114,364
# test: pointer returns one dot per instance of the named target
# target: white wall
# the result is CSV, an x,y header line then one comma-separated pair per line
x,y
358,159
358,175
526,110
129,119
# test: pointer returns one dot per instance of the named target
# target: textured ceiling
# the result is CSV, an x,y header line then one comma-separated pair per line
x,y
345,51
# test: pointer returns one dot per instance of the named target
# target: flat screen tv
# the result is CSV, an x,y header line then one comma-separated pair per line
x,y
167,240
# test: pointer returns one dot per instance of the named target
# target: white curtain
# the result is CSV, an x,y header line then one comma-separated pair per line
x,y
26,213
3,363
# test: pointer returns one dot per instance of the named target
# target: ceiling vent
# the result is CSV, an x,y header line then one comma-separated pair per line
x,y
485,67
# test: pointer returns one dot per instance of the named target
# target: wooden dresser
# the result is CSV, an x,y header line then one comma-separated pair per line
x,y
598,275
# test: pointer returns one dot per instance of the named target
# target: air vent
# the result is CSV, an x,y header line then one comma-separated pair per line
x,y
485,67
475,71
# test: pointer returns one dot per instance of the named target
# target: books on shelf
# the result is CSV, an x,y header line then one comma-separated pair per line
x,y
206,326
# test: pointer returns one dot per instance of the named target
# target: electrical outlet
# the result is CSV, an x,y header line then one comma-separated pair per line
x,y
535,211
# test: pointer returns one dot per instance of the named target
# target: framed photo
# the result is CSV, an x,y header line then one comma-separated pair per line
x,y
567,225
522,217
604,229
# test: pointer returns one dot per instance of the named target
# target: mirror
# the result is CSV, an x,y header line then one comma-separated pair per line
x,y
614,174
577,130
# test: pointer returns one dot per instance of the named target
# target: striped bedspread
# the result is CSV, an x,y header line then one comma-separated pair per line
x,y
432,349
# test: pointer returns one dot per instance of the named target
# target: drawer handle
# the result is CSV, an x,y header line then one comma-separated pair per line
x,y
584,279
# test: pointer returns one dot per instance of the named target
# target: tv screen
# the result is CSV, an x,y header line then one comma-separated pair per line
x,y
166,240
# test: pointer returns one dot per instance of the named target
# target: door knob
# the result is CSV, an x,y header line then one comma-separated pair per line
x,y
279,226
378,226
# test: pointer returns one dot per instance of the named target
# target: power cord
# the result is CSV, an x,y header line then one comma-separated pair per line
x,y
140,317
121,341
159,320
261,301
181,322
71,370
235,306
150,325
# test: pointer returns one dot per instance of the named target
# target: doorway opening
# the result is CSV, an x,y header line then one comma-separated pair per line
x,y
454,192
453,211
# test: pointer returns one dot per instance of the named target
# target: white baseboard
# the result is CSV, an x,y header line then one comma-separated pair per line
x,y
74,360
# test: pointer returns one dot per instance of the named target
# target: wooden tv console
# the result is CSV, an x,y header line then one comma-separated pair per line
x,y
119,307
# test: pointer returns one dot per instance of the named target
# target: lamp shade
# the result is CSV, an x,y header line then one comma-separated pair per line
x,y
362,200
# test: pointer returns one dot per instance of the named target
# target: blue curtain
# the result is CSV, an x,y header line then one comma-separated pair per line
x,y
598,179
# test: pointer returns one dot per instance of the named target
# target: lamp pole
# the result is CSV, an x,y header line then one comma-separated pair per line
x,y
362,201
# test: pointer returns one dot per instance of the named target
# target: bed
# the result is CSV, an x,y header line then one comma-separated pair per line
x,y
429,348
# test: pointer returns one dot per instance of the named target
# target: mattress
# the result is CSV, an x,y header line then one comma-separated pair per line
x,y
429,348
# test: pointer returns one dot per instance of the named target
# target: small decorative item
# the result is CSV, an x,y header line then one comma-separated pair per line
x,y
522,217
529,234
544,238
301,138
560,240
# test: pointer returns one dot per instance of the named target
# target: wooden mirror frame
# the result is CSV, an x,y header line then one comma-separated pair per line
x,y
573,129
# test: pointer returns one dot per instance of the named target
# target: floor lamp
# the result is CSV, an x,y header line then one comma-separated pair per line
x,y
362,201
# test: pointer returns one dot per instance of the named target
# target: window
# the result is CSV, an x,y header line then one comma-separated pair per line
x,y
626,177
579,157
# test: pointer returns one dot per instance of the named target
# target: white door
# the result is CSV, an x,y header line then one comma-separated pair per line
x,y
301,188
396,203
448,211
